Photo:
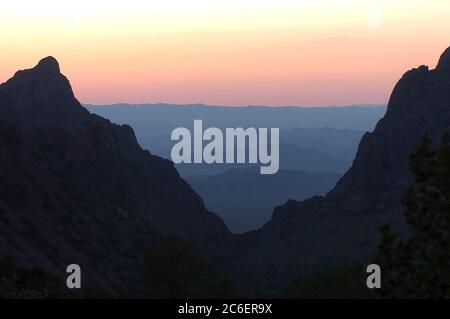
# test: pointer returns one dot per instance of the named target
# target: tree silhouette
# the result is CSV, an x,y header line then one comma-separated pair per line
x,y
419,266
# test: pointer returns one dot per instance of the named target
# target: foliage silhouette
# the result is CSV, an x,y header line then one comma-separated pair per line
x,y
419,266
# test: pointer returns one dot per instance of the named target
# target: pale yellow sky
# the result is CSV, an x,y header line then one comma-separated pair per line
x,y
234,52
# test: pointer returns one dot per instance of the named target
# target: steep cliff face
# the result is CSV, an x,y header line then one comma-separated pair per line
x,y
342,227
77,189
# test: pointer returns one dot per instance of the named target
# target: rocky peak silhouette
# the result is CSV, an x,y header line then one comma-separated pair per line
x,y
342,227
78,189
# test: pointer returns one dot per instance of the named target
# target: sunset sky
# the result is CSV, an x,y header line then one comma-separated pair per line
x,y
228,52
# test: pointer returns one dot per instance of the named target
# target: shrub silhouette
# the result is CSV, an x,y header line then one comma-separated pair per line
x,y
331,283
16,282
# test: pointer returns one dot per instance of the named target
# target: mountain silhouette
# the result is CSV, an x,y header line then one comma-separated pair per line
x,y
77,189
342,227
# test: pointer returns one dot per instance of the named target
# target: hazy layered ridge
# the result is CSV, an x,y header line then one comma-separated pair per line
x,y
245,199
312,139
311,157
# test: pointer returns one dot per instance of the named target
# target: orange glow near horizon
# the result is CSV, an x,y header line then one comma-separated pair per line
x,y
234,52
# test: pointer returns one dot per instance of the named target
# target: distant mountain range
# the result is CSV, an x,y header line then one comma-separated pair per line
x,y
292,157
161,119
312,157
313,139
